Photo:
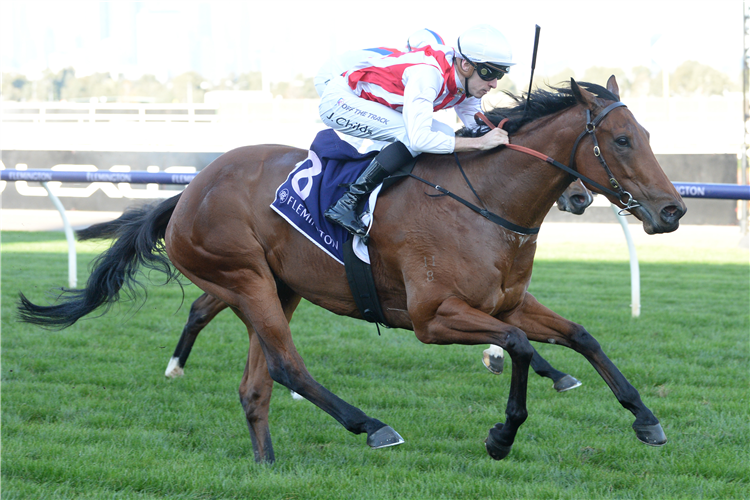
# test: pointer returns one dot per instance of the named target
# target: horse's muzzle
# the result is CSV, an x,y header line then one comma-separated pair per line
x,y
671,214
579,203
665,220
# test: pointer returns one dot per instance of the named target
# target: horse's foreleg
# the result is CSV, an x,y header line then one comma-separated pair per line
x,y
455,322
203,310
543,325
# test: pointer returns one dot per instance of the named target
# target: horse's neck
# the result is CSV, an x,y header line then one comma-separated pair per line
x,y
524,187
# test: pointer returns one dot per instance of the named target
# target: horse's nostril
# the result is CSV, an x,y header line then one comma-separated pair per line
x,y
578,199
671,213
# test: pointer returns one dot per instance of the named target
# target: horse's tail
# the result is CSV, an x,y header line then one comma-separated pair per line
x,y
139,235
109,230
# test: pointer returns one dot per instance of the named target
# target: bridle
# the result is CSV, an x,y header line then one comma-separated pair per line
x,y
624,197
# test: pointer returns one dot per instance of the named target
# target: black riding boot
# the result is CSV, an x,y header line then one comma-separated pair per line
x,y
344,212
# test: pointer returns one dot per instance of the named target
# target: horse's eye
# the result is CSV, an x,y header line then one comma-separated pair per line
x,y
622,141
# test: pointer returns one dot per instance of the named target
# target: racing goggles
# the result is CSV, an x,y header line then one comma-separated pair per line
x,y
489,72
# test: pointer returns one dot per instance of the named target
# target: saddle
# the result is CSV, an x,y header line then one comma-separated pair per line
x,y
314,185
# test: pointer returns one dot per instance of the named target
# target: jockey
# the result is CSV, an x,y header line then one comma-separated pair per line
x,y
343,63
392,98
339,65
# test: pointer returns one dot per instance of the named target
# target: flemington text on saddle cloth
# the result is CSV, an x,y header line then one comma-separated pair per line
x,y
317,183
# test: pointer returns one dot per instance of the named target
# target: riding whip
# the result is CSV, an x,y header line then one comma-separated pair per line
x,y
533,65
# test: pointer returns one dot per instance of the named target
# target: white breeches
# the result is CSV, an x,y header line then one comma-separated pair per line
x,y
342,110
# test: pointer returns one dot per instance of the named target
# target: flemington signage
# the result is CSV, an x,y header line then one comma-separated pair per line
x,y
95,180
30,176
114,181
101,176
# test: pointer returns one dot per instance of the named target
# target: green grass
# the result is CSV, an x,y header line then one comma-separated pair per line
x,y
88,414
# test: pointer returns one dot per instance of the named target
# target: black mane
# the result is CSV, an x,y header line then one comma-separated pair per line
x,y
542,103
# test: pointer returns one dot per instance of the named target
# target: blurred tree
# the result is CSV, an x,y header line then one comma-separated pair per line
x,y
187,87
691,78
147,86
16,88
249,81
640,84
656,87
694,78
43,91
561,78
94,86
55,82
600,75
299,88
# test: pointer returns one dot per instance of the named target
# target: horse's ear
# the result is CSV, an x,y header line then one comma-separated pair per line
x,y
612,86
582,95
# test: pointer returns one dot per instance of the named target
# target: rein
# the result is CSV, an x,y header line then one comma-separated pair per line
x,y
490,216
624,197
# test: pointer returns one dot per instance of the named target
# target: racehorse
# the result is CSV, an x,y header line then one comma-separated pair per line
x,y
205,308
575,200
441,270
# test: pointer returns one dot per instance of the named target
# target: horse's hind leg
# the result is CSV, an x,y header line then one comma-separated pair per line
x,y
203,310
251,291
255,396
561,381
493,360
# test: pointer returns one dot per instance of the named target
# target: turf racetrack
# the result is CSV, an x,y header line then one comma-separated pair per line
x,y
88,414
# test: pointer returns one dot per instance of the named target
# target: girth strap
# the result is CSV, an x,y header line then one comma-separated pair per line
x,y
362,284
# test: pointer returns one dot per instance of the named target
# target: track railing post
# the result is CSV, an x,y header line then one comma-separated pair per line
x,y
72,265
635,273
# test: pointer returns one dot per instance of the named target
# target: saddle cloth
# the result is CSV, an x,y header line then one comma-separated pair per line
x,y
318,182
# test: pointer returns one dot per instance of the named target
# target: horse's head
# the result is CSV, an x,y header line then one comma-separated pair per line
x,y
623,148
576,198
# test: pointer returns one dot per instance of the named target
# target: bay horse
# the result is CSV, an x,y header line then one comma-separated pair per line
x,y
575,199
451,276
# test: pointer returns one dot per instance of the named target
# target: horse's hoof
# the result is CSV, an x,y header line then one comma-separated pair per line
x,y
492,361
384,437
173,369
567,383
652,435
494,449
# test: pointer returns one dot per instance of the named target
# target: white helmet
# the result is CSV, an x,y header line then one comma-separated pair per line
x,y
485,44
422,38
